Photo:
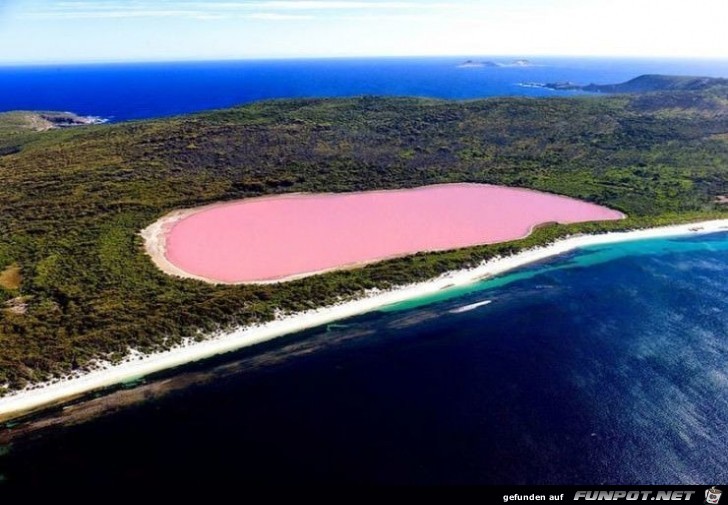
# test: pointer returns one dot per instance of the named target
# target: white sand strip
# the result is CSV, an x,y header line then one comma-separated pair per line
x,y
141,365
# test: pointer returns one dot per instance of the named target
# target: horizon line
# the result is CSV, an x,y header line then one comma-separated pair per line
x,y
90,62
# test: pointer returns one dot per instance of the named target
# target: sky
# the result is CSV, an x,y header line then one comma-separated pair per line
x,y
40,31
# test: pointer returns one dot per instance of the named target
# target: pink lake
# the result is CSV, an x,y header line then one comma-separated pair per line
x,y
286,236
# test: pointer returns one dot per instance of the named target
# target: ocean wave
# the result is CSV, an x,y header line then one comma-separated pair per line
x,y
468,308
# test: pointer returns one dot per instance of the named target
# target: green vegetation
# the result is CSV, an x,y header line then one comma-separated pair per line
x,y
652,82
72,201
646,84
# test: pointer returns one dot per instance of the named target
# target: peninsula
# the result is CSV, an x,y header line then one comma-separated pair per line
x,y
642,84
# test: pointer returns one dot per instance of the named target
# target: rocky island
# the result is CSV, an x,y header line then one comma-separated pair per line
x,y
495,64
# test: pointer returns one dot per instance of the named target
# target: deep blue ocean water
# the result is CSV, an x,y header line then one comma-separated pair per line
x,y
134,91
606,365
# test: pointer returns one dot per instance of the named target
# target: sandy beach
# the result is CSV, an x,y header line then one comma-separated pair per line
x,y
140,365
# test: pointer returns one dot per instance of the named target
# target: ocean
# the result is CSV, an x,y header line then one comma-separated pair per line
x,y
120,92
605,365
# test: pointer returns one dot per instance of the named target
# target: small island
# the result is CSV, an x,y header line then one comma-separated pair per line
x,y
493,64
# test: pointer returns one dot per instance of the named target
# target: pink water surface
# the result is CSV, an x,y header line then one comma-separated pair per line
x,y
276,237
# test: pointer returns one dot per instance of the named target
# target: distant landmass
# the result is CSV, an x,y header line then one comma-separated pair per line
x,y
42,121
495,64
642,84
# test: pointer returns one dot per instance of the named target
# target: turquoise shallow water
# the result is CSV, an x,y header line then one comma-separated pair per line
x,y
606,365
584,257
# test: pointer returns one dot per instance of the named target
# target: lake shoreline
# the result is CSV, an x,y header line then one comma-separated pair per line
x,y
157,235
138,365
